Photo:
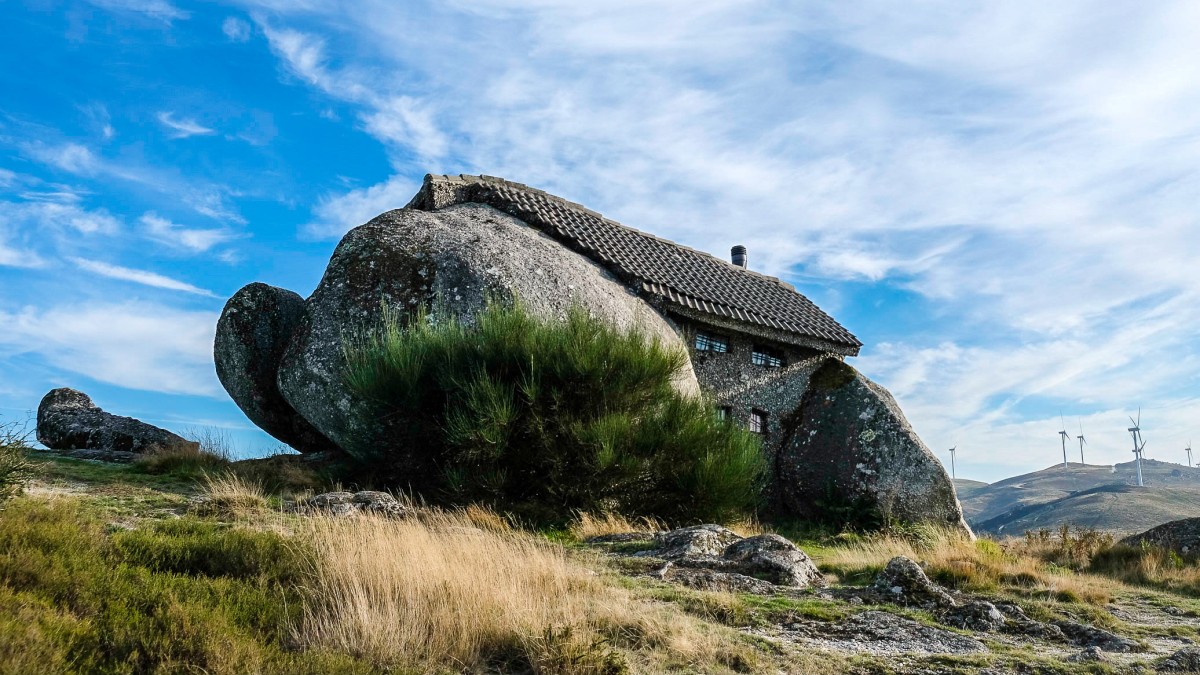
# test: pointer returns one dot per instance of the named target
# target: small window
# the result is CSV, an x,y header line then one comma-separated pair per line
x,y
758,422
765,356
711,343
724,412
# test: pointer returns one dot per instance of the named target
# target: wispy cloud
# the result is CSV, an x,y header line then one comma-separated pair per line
x,y
336,214
142,277
71,157
235,29
208,199
183,128
194,240
159,10
137,345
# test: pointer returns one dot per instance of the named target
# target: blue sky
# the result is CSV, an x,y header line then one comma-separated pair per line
x,y
1000,199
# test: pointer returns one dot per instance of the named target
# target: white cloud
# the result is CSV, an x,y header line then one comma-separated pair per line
x,y
195,240
71,157
56,212
335,214
160,10
7,178
235,29
137,345
142,277
183,128
206,199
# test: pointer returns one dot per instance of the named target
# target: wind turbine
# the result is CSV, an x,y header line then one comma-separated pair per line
x,y
1081,442
1189,452
1138,444
1064,436
953,474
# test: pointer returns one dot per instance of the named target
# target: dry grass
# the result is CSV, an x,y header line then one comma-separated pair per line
x,y
959,562
228,495
588,525
460,591
188,458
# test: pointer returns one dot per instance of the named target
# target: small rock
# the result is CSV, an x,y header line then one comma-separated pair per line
x,y
328,499
1186,660
978,616
1083,635
904,582
687,542
378,503
775,559
1090,655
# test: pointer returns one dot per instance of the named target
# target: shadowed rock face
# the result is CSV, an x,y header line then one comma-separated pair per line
x,y
850,447
68,420
254,330
453,260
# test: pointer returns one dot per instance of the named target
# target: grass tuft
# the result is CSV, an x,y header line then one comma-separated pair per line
x,y
396,592
15,468
227,495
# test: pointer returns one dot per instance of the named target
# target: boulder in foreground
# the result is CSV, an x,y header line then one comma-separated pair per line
x,y
68,420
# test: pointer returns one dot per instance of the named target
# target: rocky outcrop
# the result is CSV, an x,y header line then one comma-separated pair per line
x,y
711,557
1180,536
367,502
851,455
68,420
255,328
453,260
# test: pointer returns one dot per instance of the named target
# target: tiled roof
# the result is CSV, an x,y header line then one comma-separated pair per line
x,y
677,275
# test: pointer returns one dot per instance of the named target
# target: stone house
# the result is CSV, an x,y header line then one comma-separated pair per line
x,y
754,340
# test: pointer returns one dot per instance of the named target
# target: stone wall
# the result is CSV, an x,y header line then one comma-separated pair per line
x,y
733,381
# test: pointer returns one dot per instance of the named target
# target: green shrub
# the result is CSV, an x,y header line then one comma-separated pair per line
x,y
546,418
14,467
181,597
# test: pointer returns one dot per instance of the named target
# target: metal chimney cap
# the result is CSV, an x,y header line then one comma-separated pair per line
x,y
738,255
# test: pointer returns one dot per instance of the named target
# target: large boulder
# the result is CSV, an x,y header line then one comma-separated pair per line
x,y
454,261
255,328
851,454
68,420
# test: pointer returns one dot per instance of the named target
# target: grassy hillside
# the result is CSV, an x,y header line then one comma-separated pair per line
x,y
190,565
1171,492
966,487
1120,509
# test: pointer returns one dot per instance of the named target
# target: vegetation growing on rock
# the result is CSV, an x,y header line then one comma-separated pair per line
x,y
545,418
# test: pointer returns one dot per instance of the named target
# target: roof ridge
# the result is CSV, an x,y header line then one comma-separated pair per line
x,y
680,275
484,178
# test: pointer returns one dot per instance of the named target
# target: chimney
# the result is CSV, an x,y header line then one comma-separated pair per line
x,y
739,256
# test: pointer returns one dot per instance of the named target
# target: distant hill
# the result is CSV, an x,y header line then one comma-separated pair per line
x,y
965,487
1103,497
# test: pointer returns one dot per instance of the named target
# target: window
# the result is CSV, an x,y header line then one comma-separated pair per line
x,y
711,343
724,412
765,356
758,422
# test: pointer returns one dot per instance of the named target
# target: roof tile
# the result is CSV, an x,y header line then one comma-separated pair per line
x,y
679,275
